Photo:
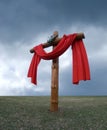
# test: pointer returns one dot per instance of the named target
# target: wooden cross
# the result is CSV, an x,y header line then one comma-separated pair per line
x,y
54,40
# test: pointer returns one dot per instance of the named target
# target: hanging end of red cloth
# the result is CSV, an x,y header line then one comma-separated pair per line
x,y
81,70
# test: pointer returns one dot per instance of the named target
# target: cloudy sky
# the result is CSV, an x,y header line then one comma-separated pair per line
x,y
26,23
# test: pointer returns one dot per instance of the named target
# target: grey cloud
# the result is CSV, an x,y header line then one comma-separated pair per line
x,y
96,86
20,19
24,19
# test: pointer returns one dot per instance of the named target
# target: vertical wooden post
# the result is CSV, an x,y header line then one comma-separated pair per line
x,y
54,84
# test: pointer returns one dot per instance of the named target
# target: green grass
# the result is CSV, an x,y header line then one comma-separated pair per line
x,y
32,113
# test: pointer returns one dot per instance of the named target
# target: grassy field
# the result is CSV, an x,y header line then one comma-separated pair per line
x,y
31,113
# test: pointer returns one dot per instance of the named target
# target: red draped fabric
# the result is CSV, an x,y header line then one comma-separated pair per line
x,y
81,69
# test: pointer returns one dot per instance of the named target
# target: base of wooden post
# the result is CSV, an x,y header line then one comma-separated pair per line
x,y
54,106
54,85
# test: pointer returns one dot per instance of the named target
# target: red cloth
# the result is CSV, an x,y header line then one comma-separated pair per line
x,y
81,69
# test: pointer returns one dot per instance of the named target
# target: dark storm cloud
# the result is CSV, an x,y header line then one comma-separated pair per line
x,y
19,19
24,19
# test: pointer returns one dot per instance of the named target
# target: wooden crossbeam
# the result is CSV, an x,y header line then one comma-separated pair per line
x,y
57,40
